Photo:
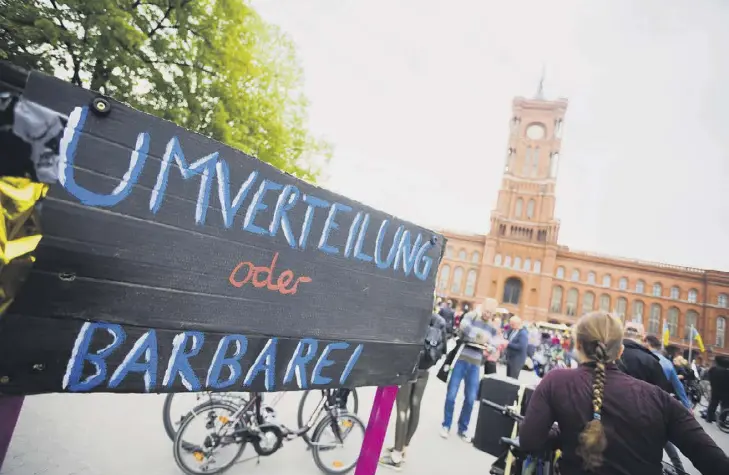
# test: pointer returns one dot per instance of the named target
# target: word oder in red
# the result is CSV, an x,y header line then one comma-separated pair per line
x,y
286,284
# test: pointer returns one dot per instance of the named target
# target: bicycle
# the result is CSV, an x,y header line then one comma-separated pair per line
x,y
723,421
705,392
348,401
226,425
669,469
697,393
178,405
544,462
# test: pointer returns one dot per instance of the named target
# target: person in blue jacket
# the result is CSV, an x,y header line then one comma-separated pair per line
x,y
669,370
516,348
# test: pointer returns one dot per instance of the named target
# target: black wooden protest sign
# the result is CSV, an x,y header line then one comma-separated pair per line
x,y
171,262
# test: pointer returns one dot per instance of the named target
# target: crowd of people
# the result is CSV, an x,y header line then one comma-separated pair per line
x,y
611,397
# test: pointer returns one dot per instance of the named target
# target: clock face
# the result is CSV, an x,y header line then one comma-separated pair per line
x,y
535,131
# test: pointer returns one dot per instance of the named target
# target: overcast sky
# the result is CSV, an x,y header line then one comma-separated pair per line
x,y
416,97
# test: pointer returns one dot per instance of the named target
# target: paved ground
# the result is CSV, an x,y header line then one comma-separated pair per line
x,y
122,434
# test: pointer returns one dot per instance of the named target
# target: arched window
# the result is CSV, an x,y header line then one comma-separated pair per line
x,y
638,307
692,318
497,260
517,263
606,280
588,302
470,283
657,290
673,322
527,160
591,278
512,291
654,322
527,265
556,305
537,267
462,255
722,300
675,293
575,275
693,296
530,209
720,331
623,283
605,302
518,207
553,164
560,272
476,257
445,274
640,286
457,280
621,306
507,261
571,307
449,252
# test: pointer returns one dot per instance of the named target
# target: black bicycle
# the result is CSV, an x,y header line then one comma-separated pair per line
x,y
545,462
310,407
698,393
220,430
179,405
723,421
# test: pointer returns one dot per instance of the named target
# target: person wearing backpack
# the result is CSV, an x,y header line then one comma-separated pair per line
x,y
410,396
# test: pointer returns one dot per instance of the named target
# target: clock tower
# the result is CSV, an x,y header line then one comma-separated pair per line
x,y
521,246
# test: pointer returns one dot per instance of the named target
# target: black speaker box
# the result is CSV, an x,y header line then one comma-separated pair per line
x,y
492,425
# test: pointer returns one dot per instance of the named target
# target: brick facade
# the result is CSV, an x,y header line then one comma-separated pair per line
x,y
521,263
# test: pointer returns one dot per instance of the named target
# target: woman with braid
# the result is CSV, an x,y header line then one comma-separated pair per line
x,y
610,423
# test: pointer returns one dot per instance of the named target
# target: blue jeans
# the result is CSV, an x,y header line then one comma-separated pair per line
x,y
469,374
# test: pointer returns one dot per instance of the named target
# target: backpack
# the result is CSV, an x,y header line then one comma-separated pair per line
x,y
435,344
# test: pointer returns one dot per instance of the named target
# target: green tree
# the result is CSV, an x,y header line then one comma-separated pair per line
x,y
212,66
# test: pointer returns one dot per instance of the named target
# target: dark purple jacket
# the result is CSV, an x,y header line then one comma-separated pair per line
x,y
638,418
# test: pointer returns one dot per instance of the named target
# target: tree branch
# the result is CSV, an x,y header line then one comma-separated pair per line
x,y
76,78
182,65
161,20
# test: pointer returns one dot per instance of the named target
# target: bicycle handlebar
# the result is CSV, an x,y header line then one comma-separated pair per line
x,y
506,410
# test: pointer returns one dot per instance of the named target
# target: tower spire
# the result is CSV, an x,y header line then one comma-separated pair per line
x,y
540,89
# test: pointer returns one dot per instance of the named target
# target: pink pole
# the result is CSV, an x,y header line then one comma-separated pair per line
x,y
9,411
376,431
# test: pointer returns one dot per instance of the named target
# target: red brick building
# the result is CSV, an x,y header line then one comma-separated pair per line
x,y
521,263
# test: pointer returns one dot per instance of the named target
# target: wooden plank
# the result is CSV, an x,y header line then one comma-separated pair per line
x,y
63,361
160,232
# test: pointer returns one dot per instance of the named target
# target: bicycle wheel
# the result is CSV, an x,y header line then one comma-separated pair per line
x,y
305,412
723,421
179,405
325,440
217,433
705,393
172,417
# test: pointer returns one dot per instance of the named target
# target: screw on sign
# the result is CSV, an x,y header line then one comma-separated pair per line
x,y
101,106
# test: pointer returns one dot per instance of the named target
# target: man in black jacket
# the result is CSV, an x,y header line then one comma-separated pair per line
x,y
719,380
639,362
446,311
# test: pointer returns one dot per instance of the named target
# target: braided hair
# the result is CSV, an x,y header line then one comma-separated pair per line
x,y
600,337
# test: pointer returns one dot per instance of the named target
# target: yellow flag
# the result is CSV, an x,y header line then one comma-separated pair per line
x,y
698,339
666,334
